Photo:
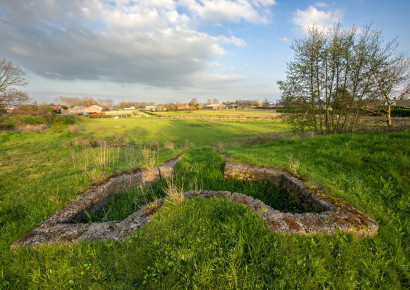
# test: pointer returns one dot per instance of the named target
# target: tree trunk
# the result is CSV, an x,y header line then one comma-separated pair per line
x,y
389,116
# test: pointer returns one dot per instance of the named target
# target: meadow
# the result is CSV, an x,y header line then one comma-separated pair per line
x,y
261,114
203,243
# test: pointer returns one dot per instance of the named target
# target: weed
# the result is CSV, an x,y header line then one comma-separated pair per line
x,y
74,130
169,145
97,175
293,165
32,128
173,191
259,139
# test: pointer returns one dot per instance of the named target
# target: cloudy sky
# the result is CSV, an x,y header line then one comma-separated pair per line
x,y
172,50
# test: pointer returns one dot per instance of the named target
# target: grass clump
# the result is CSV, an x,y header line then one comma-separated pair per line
x,y
203,242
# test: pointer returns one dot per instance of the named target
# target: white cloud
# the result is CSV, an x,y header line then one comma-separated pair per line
x,y
152,42
284,39
320,4
230,10
313,16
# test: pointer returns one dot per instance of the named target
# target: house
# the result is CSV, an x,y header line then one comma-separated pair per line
x,y
183,107
232,106
77,110
160,108
405,104
271,106
93,109
215,107
150,108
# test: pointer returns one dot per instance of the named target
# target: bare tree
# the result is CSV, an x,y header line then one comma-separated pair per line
x,y
336,75
194,102
10,77
389,78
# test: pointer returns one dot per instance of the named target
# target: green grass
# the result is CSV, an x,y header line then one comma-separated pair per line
x,y
205,243
223,113
197,132
199,168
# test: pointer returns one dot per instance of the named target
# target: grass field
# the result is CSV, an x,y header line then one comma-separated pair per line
x,y
227,113
203,243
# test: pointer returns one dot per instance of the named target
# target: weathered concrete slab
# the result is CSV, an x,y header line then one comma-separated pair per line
x,y
66,225
331,215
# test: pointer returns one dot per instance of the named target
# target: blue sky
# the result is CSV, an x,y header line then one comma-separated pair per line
x,y
172,50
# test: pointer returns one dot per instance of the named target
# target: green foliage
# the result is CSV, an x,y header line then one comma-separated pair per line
x,y
14,121
397,112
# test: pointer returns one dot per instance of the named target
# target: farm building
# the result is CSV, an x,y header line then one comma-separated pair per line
x,y
77,110
183,107
150,108
93,109
215,107
404,104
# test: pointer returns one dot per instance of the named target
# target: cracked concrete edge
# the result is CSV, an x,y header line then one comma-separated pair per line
x,y
93,198
328,222
332,214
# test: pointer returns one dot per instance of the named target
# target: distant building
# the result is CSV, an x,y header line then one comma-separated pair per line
x,y
232,106
150,108
183,107
77,110
271,106
404,104
93,109
160,108
215,107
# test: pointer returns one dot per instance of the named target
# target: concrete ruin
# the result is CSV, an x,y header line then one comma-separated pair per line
x,y
330,215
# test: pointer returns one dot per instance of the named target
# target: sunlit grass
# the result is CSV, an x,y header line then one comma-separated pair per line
x,y
204,243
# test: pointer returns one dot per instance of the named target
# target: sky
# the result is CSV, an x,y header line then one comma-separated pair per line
x,y
173,50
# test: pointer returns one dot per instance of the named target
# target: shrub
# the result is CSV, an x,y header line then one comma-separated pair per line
x,y
397,112
32,128
58,123
73,129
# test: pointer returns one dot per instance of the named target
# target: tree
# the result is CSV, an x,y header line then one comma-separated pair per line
x,y
333,78
265,103
108,103
194,102
10,77
215,101
389,78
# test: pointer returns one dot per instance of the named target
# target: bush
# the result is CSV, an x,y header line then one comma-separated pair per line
x,y
397,112
57,122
